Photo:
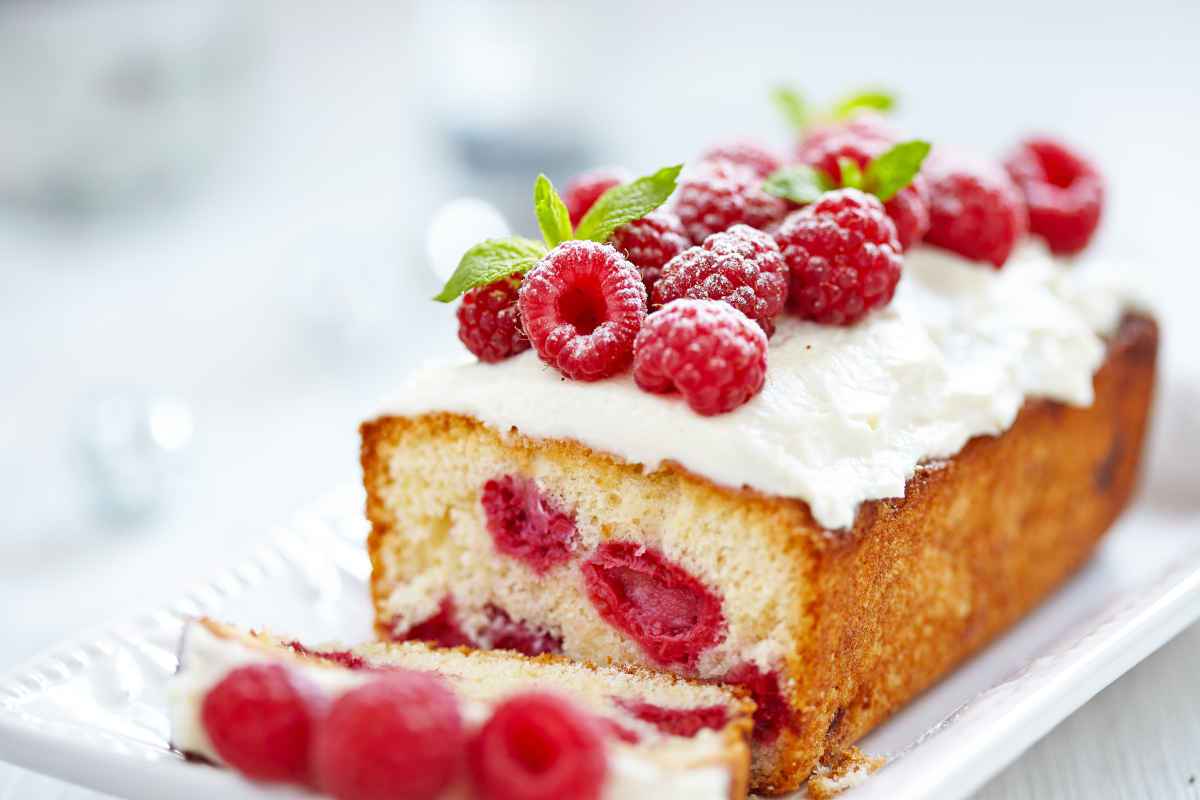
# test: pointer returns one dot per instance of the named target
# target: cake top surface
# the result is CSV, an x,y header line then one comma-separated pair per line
x,y
847,414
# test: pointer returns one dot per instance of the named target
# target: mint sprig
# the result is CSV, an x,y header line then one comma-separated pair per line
x,y
626,202
793,107
802,115
890,172
552,216
494,259
799,183
489,261
866,100
885,175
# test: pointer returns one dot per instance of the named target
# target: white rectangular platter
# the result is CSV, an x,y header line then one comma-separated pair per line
x,y
92,711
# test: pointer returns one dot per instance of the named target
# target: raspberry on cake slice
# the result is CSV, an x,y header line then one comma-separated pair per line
x,y
384,721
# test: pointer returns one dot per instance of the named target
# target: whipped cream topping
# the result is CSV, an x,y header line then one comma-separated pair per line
x,y
847,414
205,658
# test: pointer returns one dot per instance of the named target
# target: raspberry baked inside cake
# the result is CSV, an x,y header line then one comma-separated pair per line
x,y
390,720
800,457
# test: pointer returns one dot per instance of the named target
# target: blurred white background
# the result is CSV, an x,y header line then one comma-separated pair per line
x,y
214,218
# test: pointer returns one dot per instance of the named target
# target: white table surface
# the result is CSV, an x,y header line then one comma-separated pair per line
x,y
198,299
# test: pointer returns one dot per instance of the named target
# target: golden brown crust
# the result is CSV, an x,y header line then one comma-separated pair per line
x,y
920,582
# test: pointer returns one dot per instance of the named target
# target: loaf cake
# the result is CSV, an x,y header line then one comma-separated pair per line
x,y
809,454
653,733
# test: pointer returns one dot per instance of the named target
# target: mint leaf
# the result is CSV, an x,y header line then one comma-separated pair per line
x,y
792,106
490,261
874,99
799,183
552,216
627,202
852,176
890,172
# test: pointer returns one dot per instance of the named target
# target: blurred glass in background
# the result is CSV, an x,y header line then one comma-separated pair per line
x,y
109,102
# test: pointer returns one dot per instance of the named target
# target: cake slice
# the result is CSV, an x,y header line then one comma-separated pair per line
x,y
901,492
656,733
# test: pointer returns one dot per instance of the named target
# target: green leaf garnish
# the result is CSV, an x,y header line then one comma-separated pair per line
x,y
552,216
799,183
852,176
489,261
873,99
793,107
890,172
627,202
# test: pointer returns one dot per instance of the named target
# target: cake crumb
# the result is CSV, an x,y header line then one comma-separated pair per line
x,y
842,771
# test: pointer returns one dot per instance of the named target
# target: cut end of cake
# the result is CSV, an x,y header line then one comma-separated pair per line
x,y
659,733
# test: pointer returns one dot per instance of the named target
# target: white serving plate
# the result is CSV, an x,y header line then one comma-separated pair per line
x,y
92,711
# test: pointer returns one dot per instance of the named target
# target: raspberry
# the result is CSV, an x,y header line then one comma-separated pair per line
x,y
584,190
583,305
772,711
908,208
650,242
1063,191
399,737
659,604
526,524
975,210
441,629
538,746
619,731
864,125
260,719
709,352
843,255
505,633
720,194
677,721
747,154
741,266
489,323
343,658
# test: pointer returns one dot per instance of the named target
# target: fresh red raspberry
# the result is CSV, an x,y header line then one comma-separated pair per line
x,y
746,153
865,124
975,210
343,658
260,719
584,190
399,737
505,633
677,721
583,304
526,524
772,712
650,242
489,322
656,602
538,746
908,208
843,255
742,266
441,629
720,194
619,731
708,351
1063,191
